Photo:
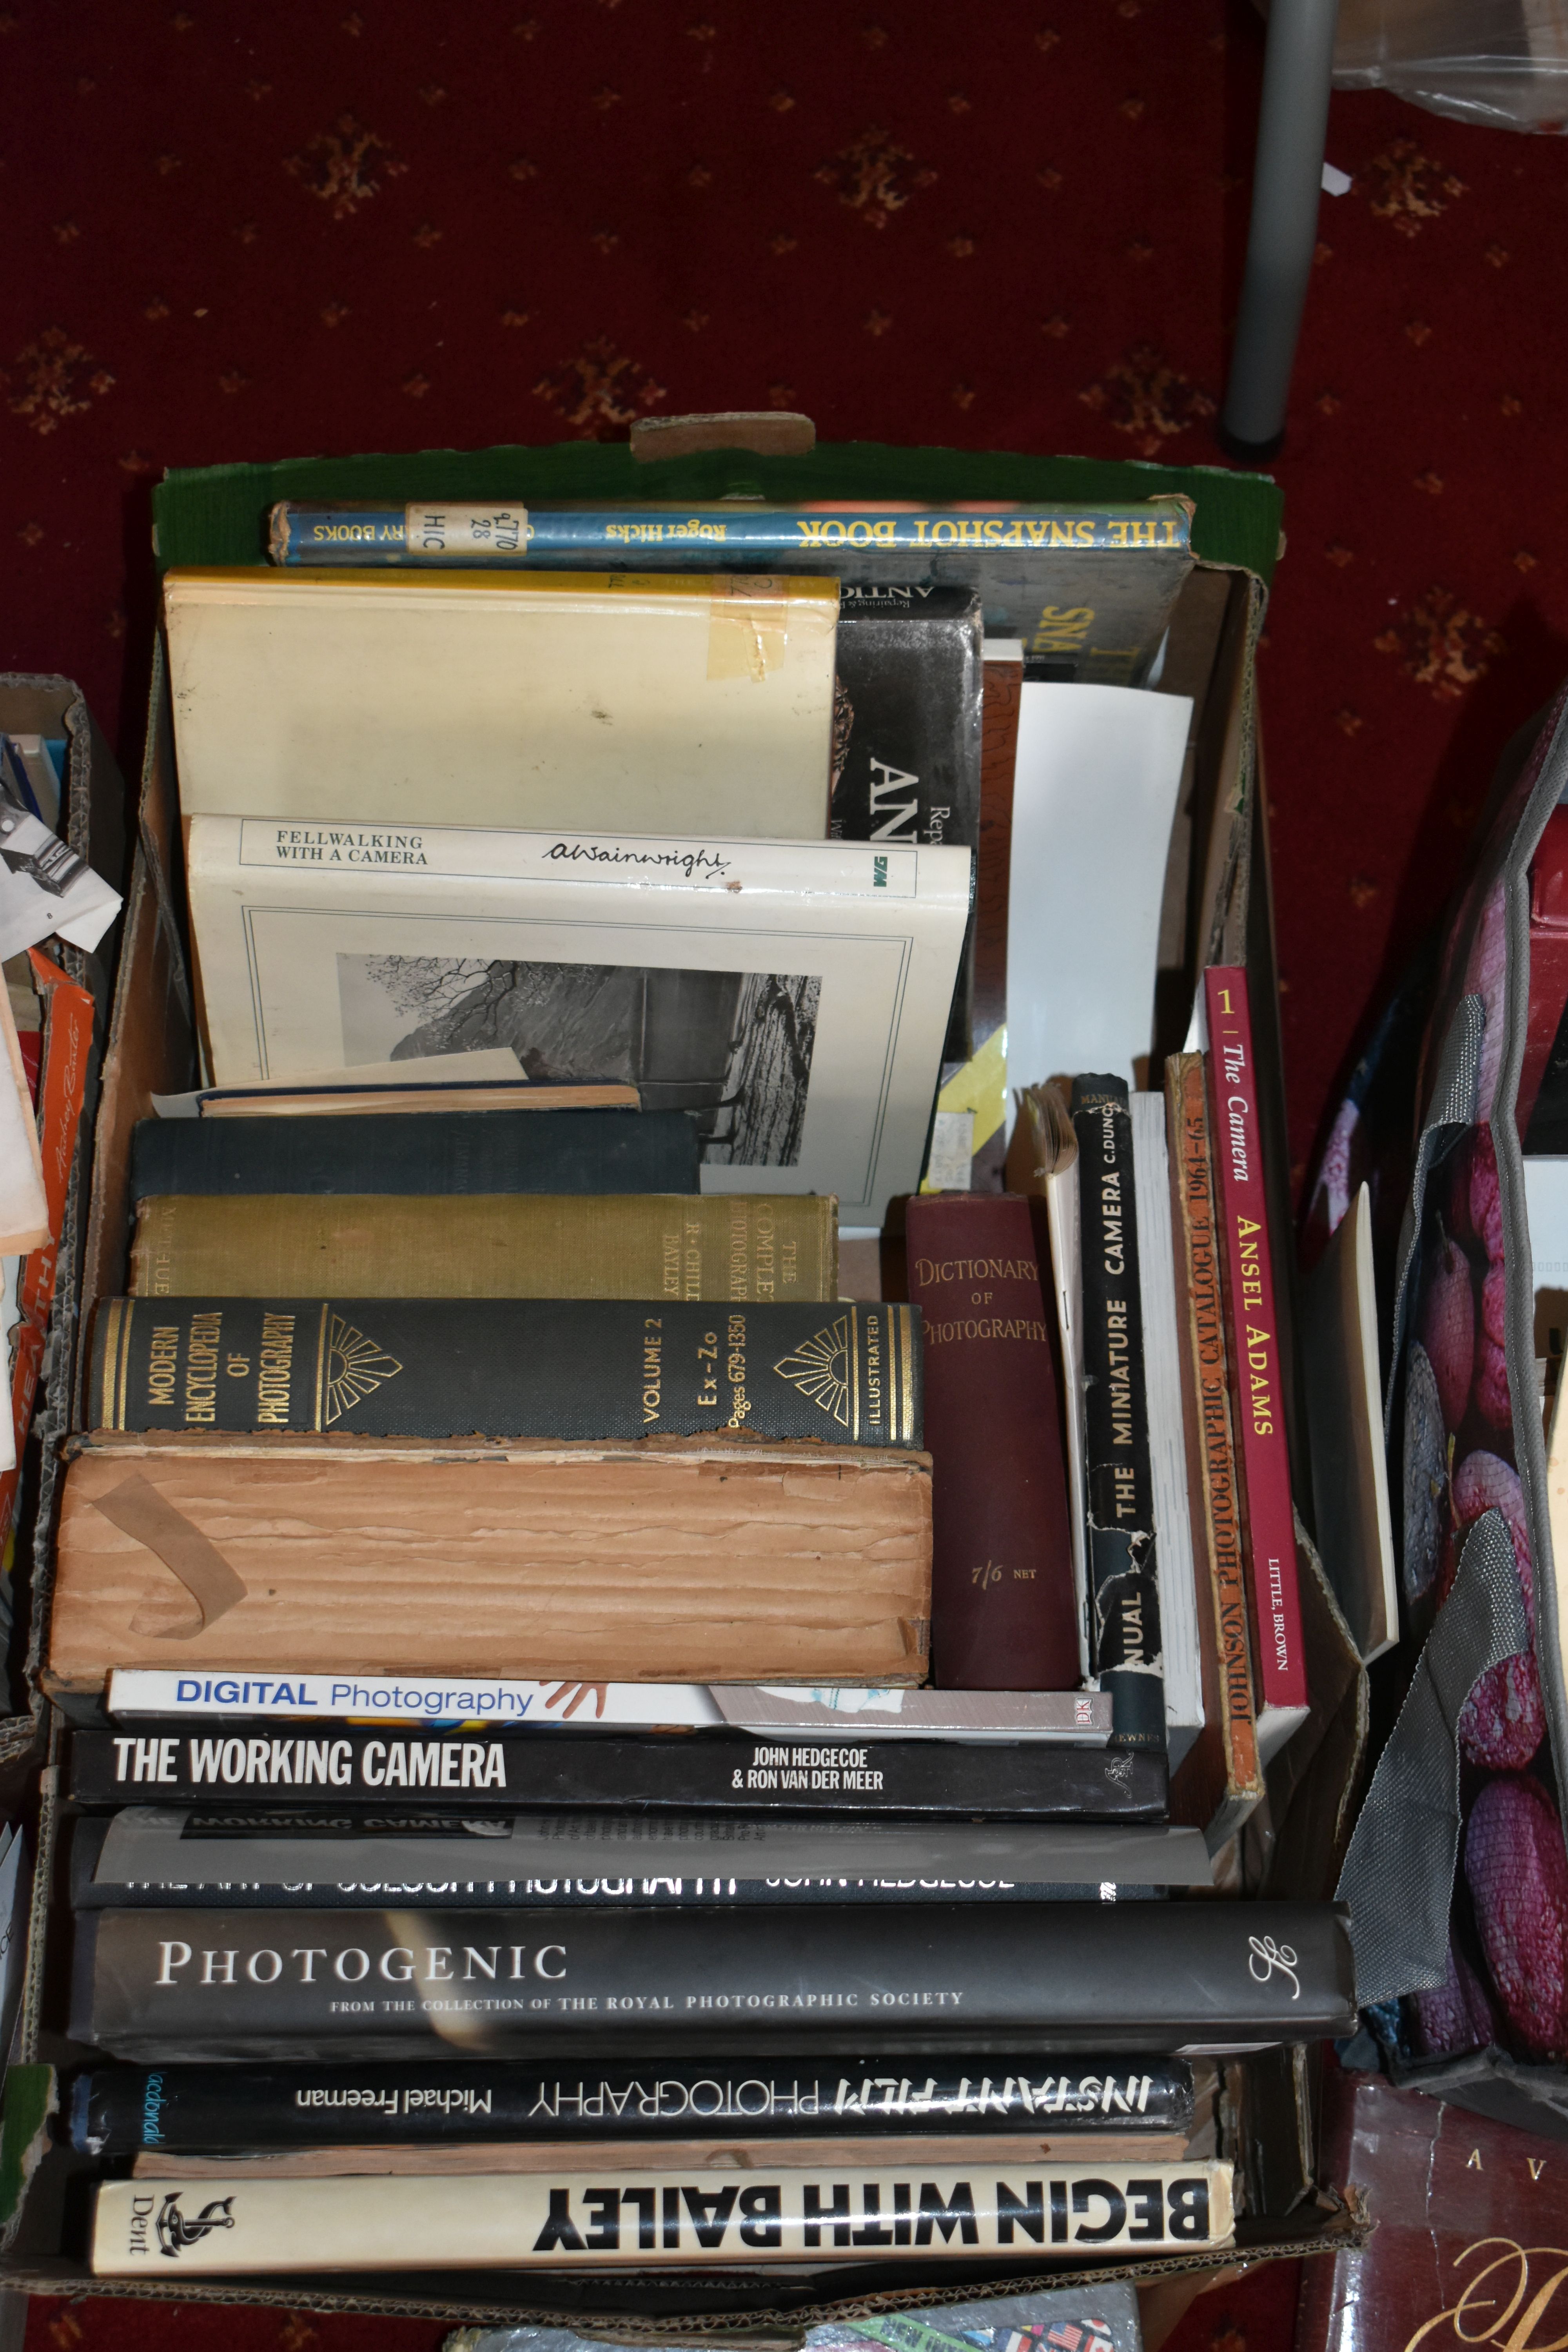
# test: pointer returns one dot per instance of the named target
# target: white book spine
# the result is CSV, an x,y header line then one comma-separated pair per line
x,y
410,1699
165,2229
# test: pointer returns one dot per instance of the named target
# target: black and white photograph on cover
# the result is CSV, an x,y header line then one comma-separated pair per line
x,y
732,1047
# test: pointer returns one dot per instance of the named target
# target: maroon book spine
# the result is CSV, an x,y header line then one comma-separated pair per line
x,y
1003,1610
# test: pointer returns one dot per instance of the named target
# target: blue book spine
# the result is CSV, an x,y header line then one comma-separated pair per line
x,y
712,537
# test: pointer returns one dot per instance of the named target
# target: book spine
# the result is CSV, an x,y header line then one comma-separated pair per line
x,y
217,2227
453,1151
737,1246
1222,1771
797,1562
907,748
149,1845
303,532
189,1893
998,757
115,2111
509,1367
1077,1976
229,1764
906,738
306,533
1253,1342
1003,1615
1124,1597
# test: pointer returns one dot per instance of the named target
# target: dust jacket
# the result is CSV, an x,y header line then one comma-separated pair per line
x,y
794,995
398,1983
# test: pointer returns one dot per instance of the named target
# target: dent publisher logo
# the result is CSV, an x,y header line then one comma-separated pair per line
x,y
176,2233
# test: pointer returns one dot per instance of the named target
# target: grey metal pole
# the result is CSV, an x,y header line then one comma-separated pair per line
x,y
1292,125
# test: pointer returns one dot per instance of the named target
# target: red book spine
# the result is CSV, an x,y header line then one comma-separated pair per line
x,y
1003,1610
1255,1342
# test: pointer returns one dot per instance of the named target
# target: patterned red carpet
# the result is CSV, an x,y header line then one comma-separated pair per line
x,y
246,230
256,230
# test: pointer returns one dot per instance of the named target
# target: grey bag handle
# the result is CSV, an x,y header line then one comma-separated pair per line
x,y
1398,1877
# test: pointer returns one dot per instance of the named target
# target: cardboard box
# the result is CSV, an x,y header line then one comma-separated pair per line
x,y
95,827
1217,909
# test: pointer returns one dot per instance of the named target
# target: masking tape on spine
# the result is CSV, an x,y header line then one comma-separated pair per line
x,y
748,627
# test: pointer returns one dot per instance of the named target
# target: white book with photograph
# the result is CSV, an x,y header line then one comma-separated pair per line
x,y
793,995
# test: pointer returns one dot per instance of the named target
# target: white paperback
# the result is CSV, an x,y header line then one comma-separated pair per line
x,y
1097,765
615,699
793,995
597,2220
790,1711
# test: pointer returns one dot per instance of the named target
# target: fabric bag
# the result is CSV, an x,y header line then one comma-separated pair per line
x,y
1457,1874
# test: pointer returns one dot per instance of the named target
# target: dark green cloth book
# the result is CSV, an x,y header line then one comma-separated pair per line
x,y
845,1371
438,1152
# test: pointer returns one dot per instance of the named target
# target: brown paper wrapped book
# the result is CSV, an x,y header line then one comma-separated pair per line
x,y
701,1560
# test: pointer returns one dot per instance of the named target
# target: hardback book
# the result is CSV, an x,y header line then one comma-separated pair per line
x,y
1253,1334
1003,669
794,995
695,704
906,763
808,1563
968,1716
649,1246
1090,590
898,1979
1123,1590
1042,1162
1342,1394
354,1101
1472,2215
1004,1613
1221,1779
282,1846
1175,1574
444,1151
116,2111
177,1890
346,1765
906,731
649,2220
589,1368
718,2152
492,1078
842,1713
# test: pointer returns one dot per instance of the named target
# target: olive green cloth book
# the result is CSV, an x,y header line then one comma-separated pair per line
x,y
738,1245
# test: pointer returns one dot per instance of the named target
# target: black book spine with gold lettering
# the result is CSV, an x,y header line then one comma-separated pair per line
x,y
1123,1595
848,1372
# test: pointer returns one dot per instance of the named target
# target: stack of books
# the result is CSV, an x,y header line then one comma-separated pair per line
x,y
595,1746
